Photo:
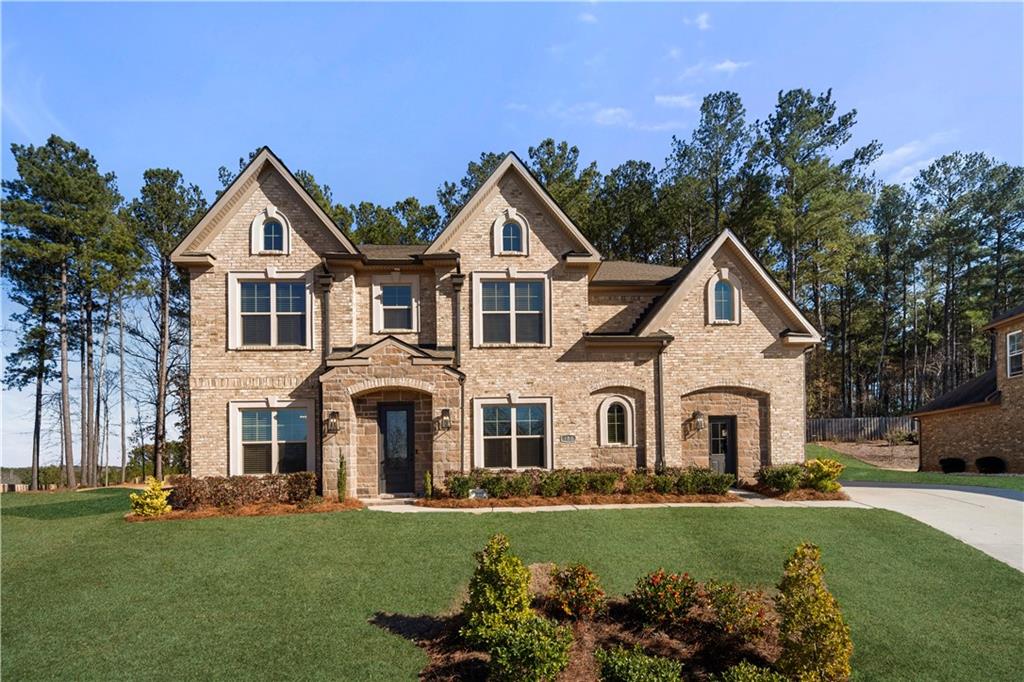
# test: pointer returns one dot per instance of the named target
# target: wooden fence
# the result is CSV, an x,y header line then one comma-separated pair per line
x,y
857,428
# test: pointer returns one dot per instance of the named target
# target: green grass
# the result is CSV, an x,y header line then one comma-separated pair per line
x,y
87,596
858,470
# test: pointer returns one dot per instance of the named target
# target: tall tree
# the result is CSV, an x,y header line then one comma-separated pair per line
x,y
451,196
626,217
557,166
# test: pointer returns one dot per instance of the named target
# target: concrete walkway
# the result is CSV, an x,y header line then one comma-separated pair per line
x,y
989,519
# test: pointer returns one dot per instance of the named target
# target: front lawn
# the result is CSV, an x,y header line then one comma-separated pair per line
x,y
87,596
858,470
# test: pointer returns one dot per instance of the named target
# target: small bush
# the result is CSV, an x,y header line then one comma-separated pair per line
x,y
636,483
952,465
703,481
499,593
428,485
900,437
530,650
603,482
552,484
815,639
495,485
737,612
189,493
519,485
575,482
823,474
459,486
620,664
300,486
577,592
152,501
342,480
782,479
990,465
663,484
748,672
661,597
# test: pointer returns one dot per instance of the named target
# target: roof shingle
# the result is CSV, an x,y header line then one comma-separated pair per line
x,y
977,391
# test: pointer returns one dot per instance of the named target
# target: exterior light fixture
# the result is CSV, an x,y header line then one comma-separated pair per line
x,y
446,419
698,420
333,423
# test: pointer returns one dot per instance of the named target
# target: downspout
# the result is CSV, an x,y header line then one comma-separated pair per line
x,y
324,282
659,411
458,279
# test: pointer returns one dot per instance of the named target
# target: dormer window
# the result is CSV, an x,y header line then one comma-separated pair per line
x,y
273,236
270,233
511,234
723,297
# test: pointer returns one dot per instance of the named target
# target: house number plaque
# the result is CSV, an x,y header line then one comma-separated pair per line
x,y
569,438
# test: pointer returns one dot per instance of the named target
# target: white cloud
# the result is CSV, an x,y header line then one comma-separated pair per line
x,y
904,162
674,53
608,117
613,116
702,21
516,106
910,171
587,18
729,66
676,101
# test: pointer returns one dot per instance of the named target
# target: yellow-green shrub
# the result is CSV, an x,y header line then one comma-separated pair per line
x,y
499,593
152,501
823,474
530,650
816,644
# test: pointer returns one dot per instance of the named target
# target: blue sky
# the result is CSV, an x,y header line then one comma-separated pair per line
x,y
385,101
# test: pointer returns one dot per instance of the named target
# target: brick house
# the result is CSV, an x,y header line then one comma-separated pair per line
x,y
506,342
985,416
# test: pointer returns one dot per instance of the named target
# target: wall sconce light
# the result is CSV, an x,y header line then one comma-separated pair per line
x,y
446,419
333,423
698,420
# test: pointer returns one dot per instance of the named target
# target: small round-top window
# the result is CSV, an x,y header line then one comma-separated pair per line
x,y
512,238
273,236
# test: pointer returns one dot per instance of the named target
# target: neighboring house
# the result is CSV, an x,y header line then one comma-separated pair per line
x,y
985,416
506,342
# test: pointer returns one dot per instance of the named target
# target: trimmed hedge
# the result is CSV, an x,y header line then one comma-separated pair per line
x,y
505,483
818,474
619,664
239,491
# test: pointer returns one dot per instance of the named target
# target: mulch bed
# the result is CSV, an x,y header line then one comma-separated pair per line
x,y
879,453
539,501
798,495
251,510
701,649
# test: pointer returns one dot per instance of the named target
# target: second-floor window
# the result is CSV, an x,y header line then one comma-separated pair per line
x,y
273,236
396,303
723,302
512,238
273,313
513,311
1015,354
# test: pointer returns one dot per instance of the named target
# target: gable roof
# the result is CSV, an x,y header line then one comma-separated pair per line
x,y
980,390
658,314
1005,316
512,163
213,221
622,272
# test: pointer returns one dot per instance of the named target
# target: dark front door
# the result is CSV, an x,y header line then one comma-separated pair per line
x,y
396,446
723,444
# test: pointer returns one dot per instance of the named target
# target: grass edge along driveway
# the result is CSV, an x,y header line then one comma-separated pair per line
x,y
859,470
87,596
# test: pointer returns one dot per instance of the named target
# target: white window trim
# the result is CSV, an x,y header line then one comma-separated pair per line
x,y
256,232
413,281
723,276
512,400
235,408
271,274
510,275
510,215
1020,352
602,421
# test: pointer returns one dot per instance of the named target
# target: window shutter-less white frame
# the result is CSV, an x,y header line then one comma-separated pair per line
x,y
510,275
256,232
723,276
271,275
235,408
510,215
376,293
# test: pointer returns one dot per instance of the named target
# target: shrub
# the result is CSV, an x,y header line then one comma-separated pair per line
x,y
620,664
663,483
636,482
815,639
603,482
152,501
342,480
990,465
575,482
246,490
499,593
576,591
823,474
703,481
189,493
552,484
952,465
781,479
899,436
300,486
459,485
661,597
737,612
495,485
519,485
530,650
428,485
748,672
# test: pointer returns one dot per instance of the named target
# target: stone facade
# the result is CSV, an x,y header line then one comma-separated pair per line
x,y
746,370
975,431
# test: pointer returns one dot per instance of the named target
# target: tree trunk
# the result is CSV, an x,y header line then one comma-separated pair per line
x,y
101,382
161,368
37,420
85,414
65,397
124,423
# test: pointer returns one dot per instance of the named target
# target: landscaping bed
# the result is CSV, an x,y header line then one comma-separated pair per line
x,y
587,499
264,509
798,495
901,457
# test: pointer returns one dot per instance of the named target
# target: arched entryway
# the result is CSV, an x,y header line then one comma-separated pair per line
x,y
726,428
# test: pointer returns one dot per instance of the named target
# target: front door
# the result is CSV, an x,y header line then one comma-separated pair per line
x,y
723,444
395,421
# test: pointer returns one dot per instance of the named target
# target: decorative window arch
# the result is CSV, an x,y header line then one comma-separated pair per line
x,y
270,233
511,234
616,423
723,298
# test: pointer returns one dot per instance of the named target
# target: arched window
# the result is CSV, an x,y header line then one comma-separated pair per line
x,y
512,238
273,236
616,424
723,302
615,418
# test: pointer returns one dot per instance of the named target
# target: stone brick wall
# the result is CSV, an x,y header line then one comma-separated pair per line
x,y
616,310
751,410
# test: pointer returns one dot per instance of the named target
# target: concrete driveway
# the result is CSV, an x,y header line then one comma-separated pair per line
x,y
989,519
